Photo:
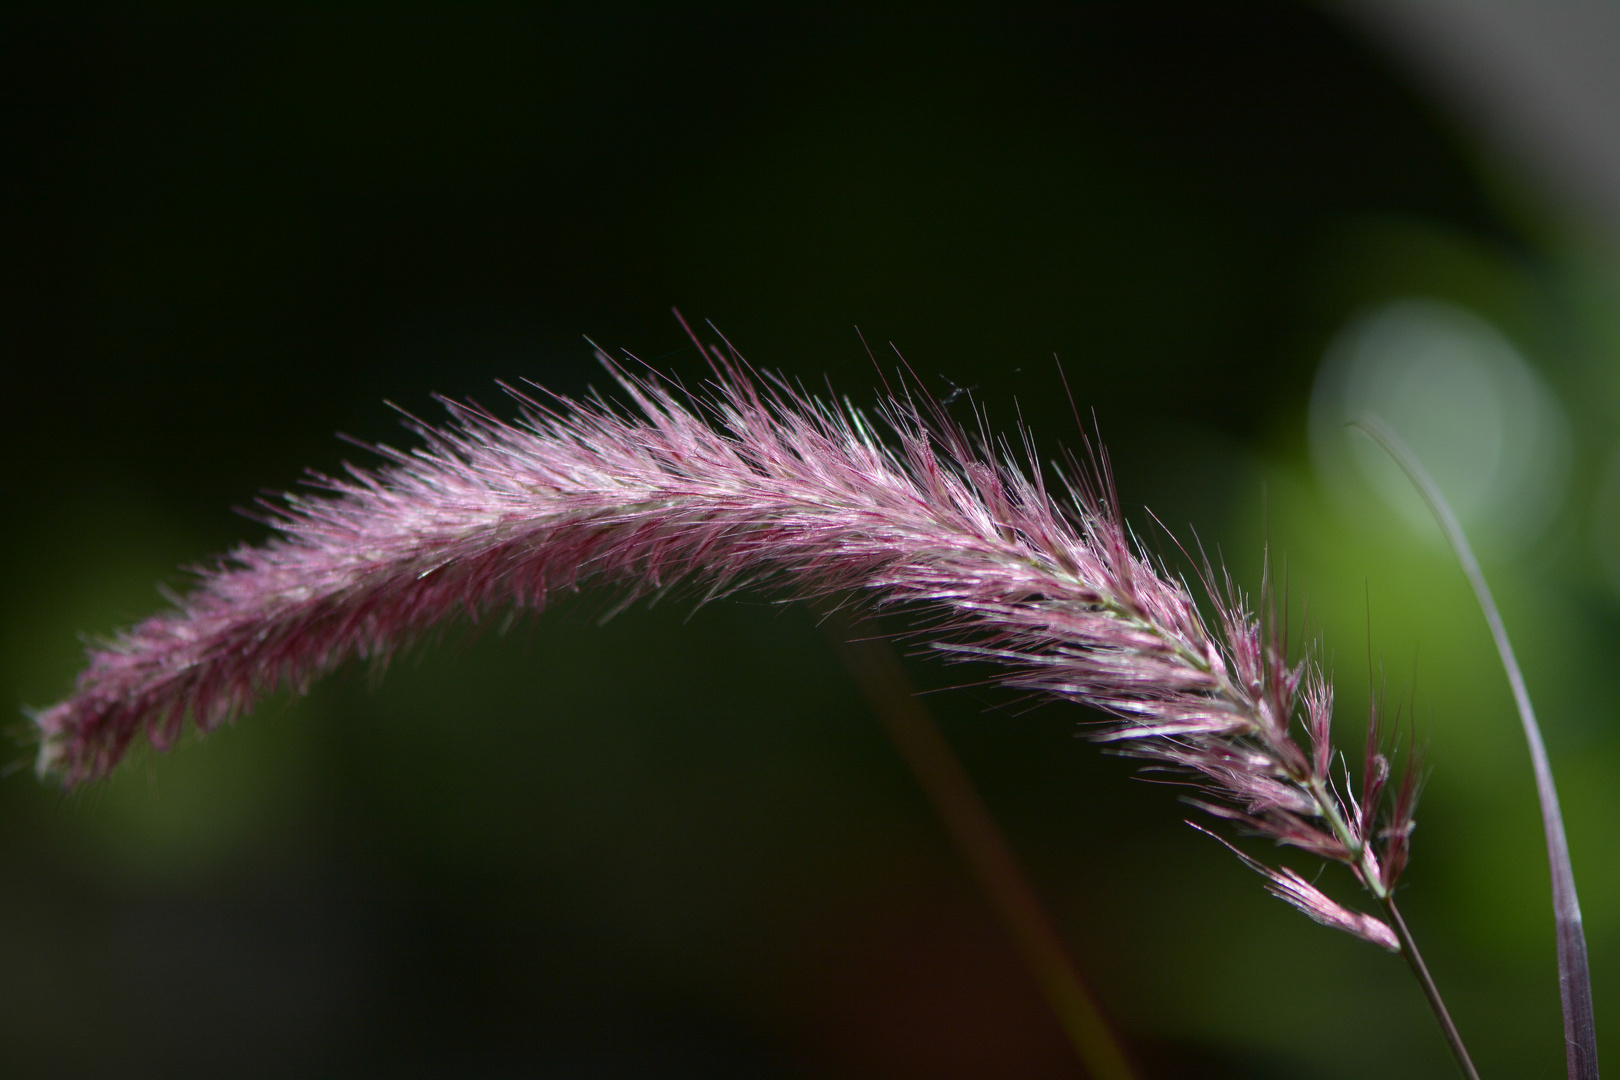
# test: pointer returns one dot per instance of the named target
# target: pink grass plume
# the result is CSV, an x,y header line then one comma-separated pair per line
x,y
753,484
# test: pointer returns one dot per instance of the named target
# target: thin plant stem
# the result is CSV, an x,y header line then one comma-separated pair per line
x,y
917,737
1574,976
1414,959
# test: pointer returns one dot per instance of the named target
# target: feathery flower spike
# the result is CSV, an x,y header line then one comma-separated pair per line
x,y
755,484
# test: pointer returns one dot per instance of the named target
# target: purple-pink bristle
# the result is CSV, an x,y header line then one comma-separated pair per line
x,y
749,485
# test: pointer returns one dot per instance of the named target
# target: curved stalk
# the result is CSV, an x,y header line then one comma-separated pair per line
x,y
1574,976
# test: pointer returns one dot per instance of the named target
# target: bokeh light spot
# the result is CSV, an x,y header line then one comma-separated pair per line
x,y
1487,427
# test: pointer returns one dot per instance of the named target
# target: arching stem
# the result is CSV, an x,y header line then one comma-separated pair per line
x,y
1574,976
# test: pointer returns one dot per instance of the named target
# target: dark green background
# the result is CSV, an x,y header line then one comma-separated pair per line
x,y
678,845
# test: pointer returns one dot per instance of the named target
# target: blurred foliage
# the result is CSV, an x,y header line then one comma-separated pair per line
x,y
676,844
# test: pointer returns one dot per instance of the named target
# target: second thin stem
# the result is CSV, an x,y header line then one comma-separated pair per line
x,y
918,739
